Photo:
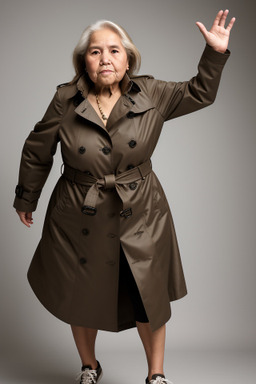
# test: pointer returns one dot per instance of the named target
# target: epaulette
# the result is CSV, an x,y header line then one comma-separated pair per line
x,y
62,85
67,89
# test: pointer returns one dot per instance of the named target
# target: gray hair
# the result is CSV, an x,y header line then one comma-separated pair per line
x,y
133,55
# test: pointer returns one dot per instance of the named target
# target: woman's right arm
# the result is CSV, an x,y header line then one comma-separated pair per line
x,y
36,160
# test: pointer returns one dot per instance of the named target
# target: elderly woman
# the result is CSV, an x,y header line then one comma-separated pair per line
x,y
108,258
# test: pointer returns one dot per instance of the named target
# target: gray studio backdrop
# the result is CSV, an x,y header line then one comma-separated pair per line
x,y
209,181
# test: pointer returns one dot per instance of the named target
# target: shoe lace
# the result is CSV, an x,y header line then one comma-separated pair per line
x,y
88,376
160,380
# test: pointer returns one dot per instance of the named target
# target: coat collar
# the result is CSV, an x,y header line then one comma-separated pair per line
x,y
83,86
133,101
127,85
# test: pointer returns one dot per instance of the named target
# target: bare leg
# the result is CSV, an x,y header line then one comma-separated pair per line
x,y
85,342
154,345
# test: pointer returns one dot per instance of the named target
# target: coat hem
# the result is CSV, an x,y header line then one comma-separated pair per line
x,y
178,297
121,327
68,320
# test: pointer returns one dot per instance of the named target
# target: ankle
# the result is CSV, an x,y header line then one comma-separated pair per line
x,y
154,372
92,363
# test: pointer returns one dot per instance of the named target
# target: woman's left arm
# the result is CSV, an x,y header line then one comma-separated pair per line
x,y
174,99
218,36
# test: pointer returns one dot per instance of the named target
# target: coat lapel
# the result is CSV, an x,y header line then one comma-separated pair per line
x,y
142,103
121,108
128,105
133,101
86,111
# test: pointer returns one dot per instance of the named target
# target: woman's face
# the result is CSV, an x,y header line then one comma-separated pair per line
x,y
106,59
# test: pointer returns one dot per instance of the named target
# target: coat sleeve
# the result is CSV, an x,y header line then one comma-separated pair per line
x,y
174,99
37,157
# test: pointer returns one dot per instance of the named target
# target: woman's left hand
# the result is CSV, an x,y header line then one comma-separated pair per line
x,y
218,36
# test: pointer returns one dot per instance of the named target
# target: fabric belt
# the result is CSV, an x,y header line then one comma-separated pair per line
x,y
107,182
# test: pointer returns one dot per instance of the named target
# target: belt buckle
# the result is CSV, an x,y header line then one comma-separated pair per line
x,y
126,213
88,210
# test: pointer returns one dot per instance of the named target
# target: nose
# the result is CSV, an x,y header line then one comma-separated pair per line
x,y
105,58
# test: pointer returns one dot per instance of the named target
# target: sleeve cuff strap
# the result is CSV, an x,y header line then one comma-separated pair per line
x,y
25,201
29,196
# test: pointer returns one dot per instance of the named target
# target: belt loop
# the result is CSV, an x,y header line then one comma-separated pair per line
x,y
109,181
145,168
141,174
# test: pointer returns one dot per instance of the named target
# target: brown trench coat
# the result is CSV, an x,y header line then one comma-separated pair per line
x,y
75,269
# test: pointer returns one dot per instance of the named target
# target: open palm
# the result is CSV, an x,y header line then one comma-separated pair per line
x,y
218,36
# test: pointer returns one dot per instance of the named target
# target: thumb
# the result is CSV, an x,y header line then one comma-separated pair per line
x,y
202,28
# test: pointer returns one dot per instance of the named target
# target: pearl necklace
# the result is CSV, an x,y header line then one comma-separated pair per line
x,y
104,117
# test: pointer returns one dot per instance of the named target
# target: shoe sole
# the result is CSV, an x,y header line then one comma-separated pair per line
x,y
100,377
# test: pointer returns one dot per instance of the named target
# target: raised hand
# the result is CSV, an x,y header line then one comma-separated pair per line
x,y
218,36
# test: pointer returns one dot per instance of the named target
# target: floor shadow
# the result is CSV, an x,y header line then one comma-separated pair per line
x,y
28,369
37,377
46,378
35,369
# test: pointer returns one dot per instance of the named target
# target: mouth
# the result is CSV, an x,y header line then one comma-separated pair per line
x,y
106,71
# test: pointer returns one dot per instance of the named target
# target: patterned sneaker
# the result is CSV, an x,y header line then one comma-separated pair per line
x,y
89,375
158,378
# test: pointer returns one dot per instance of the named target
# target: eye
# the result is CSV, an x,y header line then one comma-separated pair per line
x,y
114,51
95,52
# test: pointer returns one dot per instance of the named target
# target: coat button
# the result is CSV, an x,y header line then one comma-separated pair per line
x,y
133,186
130,115
106,150
132,144
82,260
130,166
85,231
81,150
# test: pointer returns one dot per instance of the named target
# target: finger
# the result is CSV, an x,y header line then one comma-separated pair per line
x,y
231,23
217,18
223,18
29,217
23,219
202,28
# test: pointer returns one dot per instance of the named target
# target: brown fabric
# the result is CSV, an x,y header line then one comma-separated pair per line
x,y
107,182
75,269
